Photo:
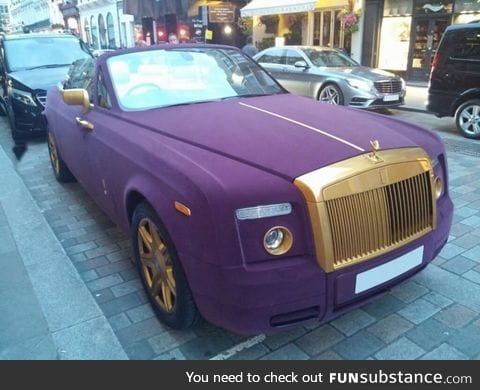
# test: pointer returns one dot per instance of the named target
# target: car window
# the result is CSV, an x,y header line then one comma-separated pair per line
x,y
38,52
292,57
174,76
329,58
272,56
80,75
103,99
464,44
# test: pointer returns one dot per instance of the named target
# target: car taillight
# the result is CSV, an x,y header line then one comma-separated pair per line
x,y
435,62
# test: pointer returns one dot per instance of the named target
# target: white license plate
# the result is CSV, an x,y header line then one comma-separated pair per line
x,y
391,98
385,272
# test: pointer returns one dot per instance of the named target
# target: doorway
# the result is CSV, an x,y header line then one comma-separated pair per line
x,y
427,33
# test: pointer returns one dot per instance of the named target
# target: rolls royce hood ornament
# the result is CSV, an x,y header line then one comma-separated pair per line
x,y
373,154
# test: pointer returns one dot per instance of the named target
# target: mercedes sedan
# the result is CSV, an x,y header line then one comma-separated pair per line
x,y
330,76
246,205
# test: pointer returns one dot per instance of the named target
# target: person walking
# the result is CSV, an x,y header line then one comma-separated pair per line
x,y
172,38
250,49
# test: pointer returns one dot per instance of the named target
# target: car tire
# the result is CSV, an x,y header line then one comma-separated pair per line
x,y
60,169
331,94
161,271
467,119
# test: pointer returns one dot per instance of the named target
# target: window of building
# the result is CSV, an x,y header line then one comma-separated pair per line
x,y
110,32
327,29
102,32
94,32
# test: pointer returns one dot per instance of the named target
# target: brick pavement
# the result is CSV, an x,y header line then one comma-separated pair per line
x,y
435,315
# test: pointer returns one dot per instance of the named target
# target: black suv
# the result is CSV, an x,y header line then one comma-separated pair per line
x,y
29,65
454,88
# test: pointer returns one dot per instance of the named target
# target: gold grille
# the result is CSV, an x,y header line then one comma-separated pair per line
x,y
366,223
362,207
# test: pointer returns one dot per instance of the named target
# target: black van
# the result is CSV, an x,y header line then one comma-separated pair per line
x,y
29,65
454,88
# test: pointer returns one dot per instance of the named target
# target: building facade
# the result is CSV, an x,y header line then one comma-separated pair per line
x,y
5,18
35,15
104,25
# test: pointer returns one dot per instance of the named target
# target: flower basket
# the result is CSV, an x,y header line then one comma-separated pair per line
x,y
349,18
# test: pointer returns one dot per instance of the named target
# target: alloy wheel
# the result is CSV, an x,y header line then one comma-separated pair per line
x,y
469,120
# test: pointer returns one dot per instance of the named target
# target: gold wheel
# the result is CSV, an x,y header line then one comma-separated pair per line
x,y
156,265
52,150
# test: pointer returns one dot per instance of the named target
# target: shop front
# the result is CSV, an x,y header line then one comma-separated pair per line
x,y
411,31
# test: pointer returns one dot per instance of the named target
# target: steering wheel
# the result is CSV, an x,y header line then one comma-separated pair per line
x,y
148,87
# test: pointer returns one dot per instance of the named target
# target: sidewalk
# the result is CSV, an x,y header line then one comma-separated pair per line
x,y
46,310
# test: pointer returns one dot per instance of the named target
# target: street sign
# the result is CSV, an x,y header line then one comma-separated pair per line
x,y
222,13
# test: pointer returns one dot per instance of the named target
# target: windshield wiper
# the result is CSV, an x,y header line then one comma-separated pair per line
x,y
47,66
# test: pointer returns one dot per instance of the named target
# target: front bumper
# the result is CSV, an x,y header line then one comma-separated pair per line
x,y
28,119
267,297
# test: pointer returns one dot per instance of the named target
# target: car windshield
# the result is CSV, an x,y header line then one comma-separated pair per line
x,y
329,58
43,52
166,77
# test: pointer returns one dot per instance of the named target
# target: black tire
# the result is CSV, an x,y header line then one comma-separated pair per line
x,y
161,271
467,119
331,94
60,169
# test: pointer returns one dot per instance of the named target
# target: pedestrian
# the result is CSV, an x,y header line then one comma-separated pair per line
x,y
250,48
172,38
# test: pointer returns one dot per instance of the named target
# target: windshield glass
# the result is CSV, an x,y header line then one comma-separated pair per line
x,y
329,58
37,52
166,77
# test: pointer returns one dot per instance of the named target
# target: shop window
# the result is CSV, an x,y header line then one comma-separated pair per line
x,y
327,29
395,42
430,7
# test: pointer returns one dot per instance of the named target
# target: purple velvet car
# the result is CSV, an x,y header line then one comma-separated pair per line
x,y
246,205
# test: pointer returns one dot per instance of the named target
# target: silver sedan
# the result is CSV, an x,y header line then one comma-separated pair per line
x,y
331,76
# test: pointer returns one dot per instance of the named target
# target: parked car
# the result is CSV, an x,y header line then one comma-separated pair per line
x,y
454,88
331,76
253,207
29,65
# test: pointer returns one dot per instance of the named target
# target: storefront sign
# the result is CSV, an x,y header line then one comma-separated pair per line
x,y
222,13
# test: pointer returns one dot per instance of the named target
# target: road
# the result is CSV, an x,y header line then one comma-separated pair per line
x,y
435,315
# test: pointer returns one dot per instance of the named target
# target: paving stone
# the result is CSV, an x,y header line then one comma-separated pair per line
x,y
86,265
473,254
456,316
113,268
353,322
465,211
473,276
287,352
359,346
140,331
88,276
174,354
466,241
473,221
207,346
80,248
123,254
119,321
384,306
450,250
253,353
319,340
328,355
445,352
390,328
105,282
459,265
409,291
170,339
103,296
126,288
402,349
467,340
140,313
459,229
277,340
118,305
140,350
418,311
430,334
437,299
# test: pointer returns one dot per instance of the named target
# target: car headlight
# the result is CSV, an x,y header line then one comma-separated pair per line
x,y
271,210
23,96
359,84
438,187
278,240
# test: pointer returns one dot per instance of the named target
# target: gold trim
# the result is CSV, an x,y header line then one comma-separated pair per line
x,y
375,201
77,97
181,208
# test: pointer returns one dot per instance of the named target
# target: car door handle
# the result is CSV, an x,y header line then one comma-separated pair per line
x,y
85,124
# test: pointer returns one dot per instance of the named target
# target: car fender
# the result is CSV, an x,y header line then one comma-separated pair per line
x,y
472,93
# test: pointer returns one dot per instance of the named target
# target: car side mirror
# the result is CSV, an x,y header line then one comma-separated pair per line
x,y
77,97
301,64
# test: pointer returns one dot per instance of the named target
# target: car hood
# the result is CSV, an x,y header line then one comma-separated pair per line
x,y
42,78
285,134
360,71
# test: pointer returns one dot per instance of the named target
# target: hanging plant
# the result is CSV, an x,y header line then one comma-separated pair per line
x,y
349,18
245,24
270,22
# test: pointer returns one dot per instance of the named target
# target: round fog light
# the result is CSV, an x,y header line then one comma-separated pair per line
x,y
278,241
438,186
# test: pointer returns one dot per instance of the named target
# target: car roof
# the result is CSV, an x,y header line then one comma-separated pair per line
x,y
465,26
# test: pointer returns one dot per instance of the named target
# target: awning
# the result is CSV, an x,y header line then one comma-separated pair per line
x,y
271,7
